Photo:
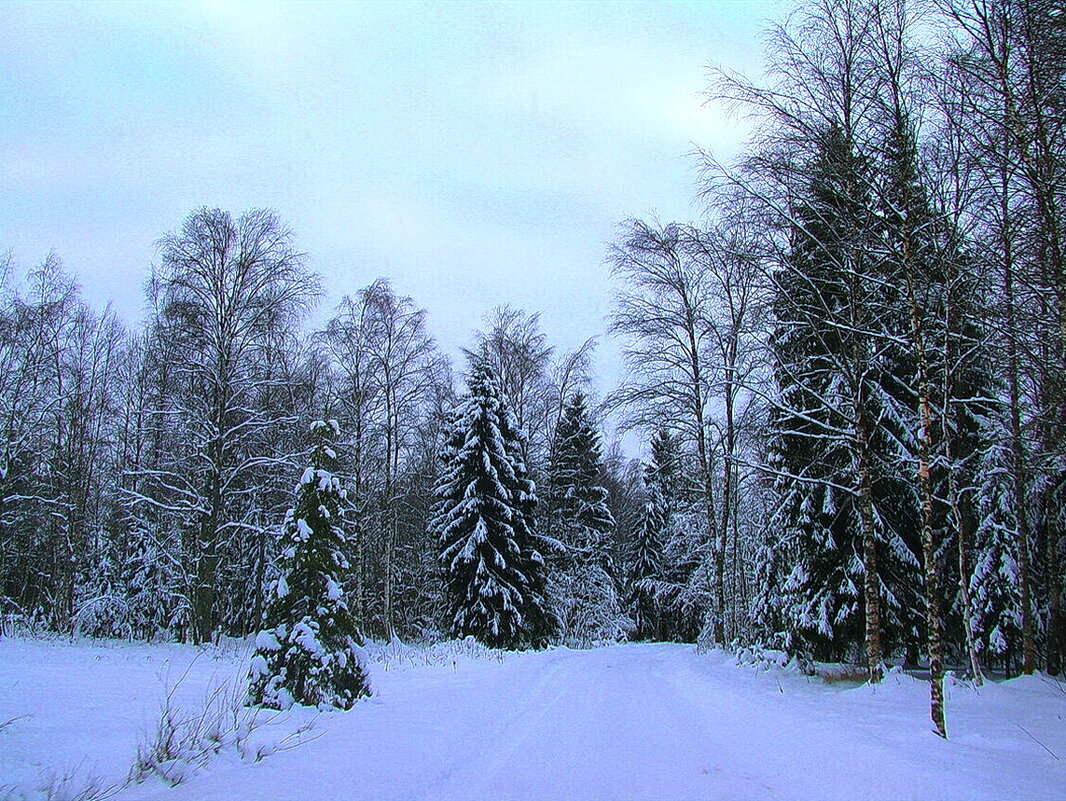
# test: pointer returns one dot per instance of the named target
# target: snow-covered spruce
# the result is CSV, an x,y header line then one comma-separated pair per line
x,y
646,564
844,538
583,585
483,519
309,651
668,581
543,625
994,583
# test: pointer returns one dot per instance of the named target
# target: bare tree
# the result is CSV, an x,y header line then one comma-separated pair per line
x,y
662,312
517,350
390,372
728,254
222,291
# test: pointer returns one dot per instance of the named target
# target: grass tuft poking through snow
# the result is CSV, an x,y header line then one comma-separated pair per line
x,y
76,739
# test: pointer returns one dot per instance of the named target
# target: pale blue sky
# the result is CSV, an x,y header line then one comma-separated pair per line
x,y
477,154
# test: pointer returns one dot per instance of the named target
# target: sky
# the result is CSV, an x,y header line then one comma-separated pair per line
x,y
476,154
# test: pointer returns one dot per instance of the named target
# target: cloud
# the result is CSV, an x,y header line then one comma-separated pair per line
x,y
478,153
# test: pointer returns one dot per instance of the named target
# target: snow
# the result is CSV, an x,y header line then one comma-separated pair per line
x,y
304,531
267,641
305,635
647,721
333,589
76,712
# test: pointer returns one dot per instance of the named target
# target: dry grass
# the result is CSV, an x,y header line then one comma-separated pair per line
x,y
844,674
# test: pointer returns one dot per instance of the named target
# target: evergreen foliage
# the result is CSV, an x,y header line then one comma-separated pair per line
x,y
994,580
542,622
829,303
583,582
309,650
154,603
647,568
491,566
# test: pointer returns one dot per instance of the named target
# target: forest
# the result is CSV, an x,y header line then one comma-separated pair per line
x,y
848,376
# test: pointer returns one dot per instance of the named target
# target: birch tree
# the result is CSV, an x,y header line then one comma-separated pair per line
x,y
222,291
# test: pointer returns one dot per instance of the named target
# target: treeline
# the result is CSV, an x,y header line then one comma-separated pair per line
x,y
861,353
849,376
146,473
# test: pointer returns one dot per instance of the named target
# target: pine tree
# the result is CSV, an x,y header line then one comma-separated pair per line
x,y
102,608
646,569
154,597
542,623
309,650
492,570
584,589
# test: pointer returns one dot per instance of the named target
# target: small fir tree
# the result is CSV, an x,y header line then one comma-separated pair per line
x,y
309,650
994,581
681,587
156,606
646,569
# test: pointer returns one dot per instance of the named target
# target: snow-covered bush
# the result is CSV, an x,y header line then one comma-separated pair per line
x,y
185,740
587,605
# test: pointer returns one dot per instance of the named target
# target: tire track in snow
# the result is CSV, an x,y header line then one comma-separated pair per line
x,y
617,718
532,704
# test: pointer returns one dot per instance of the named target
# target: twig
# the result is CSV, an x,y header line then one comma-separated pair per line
x,y
13,720
1031,737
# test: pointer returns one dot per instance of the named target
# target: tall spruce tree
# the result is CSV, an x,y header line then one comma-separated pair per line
x,y
646,571
309,649
543,625
482,517
845,513
583,586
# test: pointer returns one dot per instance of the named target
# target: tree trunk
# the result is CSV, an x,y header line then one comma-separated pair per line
x,y
728,505
871,581
955,521
1018,471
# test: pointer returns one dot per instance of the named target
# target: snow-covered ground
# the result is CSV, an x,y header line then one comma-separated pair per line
x,y
455,722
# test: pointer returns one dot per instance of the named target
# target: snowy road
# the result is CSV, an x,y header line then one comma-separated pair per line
x,y
648,722
657,722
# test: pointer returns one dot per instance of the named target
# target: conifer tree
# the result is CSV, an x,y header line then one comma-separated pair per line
x,y
646,569
543,625
581,504
994,583
584,584
647,566
154,598
492,570
683,591
309,650
845,514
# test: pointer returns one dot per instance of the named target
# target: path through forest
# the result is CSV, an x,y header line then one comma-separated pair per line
x,y
652,722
